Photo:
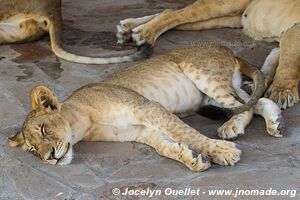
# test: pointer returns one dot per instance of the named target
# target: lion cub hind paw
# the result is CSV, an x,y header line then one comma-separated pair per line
x,y
275,126
231,129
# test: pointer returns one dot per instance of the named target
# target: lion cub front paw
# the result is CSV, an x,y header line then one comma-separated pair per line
x,y
224,152
199,164
193,160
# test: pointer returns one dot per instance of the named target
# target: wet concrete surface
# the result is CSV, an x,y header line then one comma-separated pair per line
x,y
98,167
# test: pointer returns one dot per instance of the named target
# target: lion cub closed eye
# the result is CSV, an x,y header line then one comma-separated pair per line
x,y
141,104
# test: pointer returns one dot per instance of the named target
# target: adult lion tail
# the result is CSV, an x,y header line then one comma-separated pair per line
x,y
55,27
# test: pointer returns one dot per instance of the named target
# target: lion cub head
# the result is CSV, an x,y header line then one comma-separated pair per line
x,y
45,133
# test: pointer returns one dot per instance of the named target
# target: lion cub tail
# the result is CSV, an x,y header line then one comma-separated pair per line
x,y
259,86
221,113
55,28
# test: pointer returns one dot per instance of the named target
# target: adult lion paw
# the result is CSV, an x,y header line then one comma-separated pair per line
x,y
124,31
141,35
126,26
224,152
284,93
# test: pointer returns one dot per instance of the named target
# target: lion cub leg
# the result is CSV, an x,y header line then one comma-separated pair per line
x,y
266,107
217,86
137,132
269,111
165,146
272,115
156,117
236,125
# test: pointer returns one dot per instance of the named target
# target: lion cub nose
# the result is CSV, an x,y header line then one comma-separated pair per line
x,y
52,154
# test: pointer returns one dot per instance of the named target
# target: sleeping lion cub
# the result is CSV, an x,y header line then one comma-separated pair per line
x,y
139,104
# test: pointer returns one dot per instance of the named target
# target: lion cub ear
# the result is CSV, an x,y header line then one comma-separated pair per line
x,y
43,99
17,140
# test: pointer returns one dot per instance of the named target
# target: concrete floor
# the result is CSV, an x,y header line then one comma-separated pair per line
x,y
98,167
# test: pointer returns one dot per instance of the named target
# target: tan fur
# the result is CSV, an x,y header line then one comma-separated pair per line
x,y
28,20
266,20
136,104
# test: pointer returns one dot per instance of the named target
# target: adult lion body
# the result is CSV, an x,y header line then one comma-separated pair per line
x,y
139,104
265,20
28,20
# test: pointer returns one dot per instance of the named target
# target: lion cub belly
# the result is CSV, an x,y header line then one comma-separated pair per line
x,y
268,19
174,91
163,83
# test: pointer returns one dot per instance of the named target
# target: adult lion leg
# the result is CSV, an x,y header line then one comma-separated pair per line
x,y
154,116
20,28
165,146
201,10
284,89
124,28
220,22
